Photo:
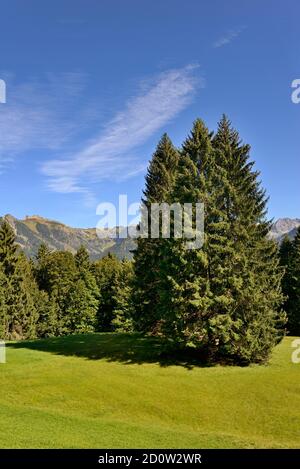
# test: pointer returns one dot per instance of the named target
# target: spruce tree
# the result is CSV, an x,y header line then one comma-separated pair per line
x,y
226,296
246,320
106,271
20,311
3,309
8,249
159,184
45,301
82,259
83,297
41,266
290,259
122,294
81,308
60,276
185,296
24,293
48,313
85,273
286,260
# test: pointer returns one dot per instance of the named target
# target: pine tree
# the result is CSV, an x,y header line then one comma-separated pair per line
x,y
82,259
123,311
286,259
185,294
245,274
226,296
8,249
41,266
83,297
48,313
25,291
290,259
81,308
60,275
85,273
160,180
46,302
106,272
20,311
3,309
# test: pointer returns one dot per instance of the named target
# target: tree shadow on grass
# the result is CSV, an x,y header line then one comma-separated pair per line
x,y
116,347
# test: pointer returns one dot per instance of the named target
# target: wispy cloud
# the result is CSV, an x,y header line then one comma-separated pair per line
x,y
109,156
35,114
228,37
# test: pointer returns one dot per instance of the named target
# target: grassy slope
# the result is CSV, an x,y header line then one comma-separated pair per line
x,y
105,390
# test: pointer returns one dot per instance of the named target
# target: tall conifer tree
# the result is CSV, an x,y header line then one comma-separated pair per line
x,y
160,180
20,312
3,309
185,297
225,296
246,277
83,297
290,259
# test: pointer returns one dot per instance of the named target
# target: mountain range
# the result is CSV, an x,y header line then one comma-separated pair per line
x,y
284,227
34,230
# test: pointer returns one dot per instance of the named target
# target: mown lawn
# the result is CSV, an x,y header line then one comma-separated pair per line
x,y
115,390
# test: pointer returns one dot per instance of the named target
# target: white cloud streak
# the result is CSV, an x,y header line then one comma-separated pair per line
x,y
35,114
228,37
109,156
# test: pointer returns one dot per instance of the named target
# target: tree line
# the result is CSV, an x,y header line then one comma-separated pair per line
x,y
228,299
60,293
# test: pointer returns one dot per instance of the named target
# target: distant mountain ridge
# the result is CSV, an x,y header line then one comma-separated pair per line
x,y
284,227
34,230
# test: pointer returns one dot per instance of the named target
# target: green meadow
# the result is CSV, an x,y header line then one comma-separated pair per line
x,y
119,391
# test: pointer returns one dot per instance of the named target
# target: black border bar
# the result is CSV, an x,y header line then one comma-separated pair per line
x,y
150,457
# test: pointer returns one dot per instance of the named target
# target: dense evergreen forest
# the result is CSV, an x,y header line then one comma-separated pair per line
x,y
233,298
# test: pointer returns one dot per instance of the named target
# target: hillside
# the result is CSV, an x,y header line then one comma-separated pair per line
x,y
283,227
33,230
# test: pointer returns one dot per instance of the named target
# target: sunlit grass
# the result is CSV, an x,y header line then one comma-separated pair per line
x,y
115,390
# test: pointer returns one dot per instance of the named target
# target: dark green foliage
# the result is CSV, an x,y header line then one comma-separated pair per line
x,y
18,311
246,277
81,308
106,272
41,267
290,260
48,313
72,291
122,294
3,309
8,249
83,297
185,296
59,293
46,302
160,180
82,259
226,296
59,280
114,282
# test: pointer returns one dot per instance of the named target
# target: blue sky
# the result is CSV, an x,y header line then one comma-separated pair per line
x,y
92,85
